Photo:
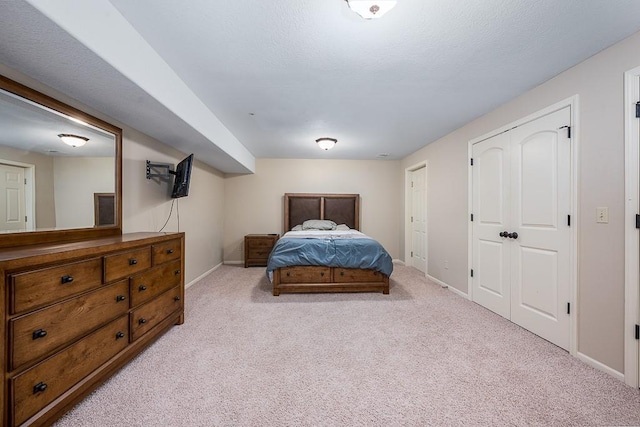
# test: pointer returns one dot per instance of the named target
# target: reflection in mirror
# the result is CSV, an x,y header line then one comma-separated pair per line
x,y
46,184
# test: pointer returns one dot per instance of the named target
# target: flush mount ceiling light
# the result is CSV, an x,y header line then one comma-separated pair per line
x,y
371,9
326,143
73,140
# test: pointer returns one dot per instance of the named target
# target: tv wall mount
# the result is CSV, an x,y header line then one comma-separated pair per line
x,y
159,170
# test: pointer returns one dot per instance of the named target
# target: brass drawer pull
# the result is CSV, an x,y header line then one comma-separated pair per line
x,y
66,279
120,298
176,272
119,335
169,251
288,274
342,273
142,321
39,387
40,333
321,273
142,288
176,298
133,261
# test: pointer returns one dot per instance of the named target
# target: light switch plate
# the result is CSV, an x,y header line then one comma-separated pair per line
x,y
602,215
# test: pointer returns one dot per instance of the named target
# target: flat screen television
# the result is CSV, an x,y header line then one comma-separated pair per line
x,y
182,178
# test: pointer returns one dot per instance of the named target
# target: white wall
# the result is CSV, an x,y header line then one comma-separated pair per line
x,y
74,192
147,203
599,83
254,203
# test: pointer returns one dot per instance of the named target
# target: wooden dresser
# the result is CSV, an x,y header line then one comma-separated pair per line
x,y
76,312
257,248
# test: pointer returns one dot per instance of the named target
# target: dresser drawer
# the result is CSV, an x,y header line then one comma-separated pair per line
x,y
341,275
39,287
305,274
149,315
42,384
124,264
166,251
36,334
151,283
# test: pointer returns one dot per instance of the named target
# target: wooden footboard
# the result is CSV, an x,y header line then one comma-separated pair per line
x,y
299,279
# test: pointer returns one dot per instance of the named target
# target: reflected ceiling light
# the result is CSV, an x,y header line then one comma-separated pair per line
x,y
326,143
73,140
371,9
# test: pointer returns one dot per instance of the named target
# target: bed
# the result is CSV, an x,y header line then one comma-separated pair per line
x,y
351,262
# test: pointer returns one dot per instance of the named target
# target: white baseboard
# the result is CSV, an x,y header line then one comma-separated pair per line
x,y
398,261
233,262
202,275
600,366
451,288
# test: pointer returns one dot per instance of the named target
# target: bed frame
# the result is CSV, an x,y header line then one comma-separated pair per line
x,y
341,209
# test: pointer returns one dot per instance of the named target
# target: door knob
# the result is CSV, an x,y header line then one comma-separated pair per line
x,y
504,234
513,235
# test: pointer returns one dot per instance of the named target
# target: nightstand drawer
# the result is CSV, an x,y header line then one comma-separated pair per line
x,y
257,248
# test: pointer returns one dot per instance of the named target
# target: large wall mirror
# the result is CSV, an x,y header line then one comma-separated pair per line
x,y
60,170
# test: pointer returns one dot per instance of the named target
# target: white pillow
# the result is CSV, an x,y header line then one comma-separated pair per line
x,y
297,228
343,227
318,224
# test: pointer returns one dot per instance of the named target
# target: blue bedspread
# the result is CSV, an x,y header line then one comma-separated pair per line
x,y
346,253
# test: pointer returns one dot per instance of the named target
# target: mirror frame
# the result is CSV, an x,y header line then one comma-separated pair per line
x,y
71,234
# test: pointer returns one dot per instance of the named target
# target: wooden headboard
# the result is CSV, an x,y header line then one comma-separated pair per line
x,y
339,208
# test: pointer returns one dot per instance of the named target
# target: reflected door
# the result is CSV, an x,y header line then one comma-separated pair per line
x,y
12,203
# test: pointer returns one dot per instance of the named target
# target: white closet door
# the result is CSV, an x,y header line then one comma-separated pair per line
x,y
419,224
521,241
491,283
12,201
541,202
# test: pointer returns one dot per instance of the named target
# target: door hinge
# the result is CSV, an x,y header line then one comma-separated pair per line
x,y
411,254
568,130
472,272
638,109
25,218
637,221
25,181
568,308
568,220
638,332
411,184
471,217
472,161
411,219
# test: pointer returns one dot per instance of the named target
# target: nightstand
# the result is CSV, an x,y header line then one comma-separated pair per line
x,y
257,248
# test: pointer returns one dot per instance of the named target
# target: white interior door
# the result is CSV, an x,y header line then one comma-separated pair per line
x,y
541,203
419,223
12,198
491,285
521,241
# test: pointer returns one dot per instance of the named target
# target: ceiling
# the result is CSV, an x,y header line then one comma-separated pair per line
x,y
236,80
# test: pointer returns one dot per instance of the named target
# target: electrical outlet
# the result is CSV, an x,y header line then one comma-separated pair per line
x,y
446,264
602,215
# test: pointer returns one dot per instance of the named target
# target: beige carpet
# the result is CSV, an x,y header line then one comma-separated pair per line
x,y
419,356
